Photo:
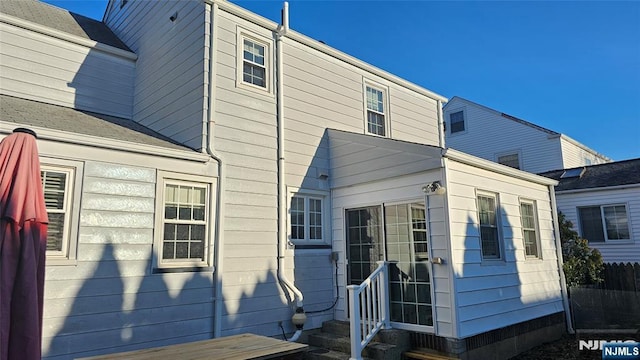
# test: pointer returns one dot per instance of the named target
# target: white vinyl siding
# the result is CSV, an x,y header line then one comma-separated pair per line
x,y
46,69
529,222
604,223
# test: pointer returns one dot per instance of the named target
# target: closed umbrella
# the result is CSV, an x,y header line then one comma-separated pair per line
x,y
23,238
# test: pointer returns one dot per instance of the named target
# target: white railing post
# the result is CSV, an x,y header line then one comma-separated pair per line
x,y
354,324
368,309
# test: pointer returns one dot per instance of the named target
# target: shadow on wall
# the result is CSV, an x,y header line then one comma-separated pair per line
x,y
115,311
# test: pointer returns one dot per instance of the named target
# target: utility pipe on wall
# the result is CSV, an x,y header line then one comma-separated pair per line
x,y
563,281
299,316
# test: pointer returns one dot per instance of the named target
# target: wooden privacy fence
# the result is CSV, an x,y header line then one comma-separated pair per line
x,y
624,277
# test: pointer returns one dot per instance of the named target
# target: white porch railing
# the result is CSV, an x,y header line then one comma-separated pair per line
x,y
368,308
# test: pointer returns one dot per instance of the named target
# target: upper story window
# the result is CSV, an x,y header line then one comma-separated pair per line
x,y
61,182
456,120
529,224
185,223
376,111
307,212
253,62
511,160
254,68
489,233
604,223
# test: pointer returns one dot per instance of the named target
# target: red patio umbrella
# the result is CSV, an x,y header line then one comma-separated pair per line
x,y
23,240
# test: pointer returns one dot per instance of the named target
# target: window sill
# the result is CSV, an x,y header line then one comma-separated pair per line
x,y
612,242
255,89
491,262
182,269
59,261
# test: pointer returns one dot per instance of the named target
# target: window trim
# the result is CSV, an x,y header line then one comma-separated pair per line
x,y
309,194
603,223
164,178
517,152
73,191
385,104
241,35
500,240
462,109
536,225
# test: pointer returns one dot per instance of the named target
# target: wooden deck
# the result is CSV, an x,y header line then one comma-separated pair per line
x,y
244,346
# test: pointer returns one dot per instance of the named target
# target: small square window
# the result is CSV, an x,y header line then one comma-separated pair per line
x,y
511,160
457,121
306,217
376,111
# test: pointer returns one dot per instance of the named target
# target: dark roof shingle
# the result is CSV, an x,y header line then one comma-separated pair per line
x,y
62,20
626,172
32,113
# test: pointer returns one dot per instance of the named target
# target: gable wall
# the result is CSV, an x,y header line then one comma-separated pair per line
x,y
494,295
46,69
574,156
622,251
489,134
170,71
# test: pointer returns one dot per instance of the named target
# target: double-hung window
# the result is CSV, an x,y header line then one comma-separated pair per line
x,y
489,231
604,223
254,68
511,160
456,120
306,218
376,111
529,228
184,239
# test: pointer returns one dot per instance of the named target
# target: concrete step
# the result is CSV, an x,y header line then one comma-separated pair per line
x,y
396,337
316,353
336,327
374,350
426,355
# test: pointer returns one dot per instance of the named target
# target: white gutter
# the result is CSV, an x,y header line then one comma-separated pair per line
x,y
282,194
440,125
593,189
563,281
209,125
495,167
44,30
268,24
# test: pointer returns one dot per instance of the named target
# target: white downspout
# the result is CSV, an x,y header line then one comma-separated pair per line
x,y
440,125
282,195
563,281
220,213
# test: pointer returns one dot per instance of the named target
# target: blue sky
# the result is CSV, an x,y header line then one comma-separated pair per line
x,y
573,67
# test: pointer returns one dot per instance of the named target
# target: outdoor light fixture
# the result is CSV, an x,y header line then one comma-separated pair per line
x,y
434,188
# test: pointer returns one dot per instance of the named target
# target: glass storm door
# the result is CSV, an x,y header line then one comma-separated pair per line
x,y
405,245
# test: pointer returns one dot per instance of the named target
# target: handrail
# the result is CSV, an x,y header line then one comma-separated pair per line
x,y
368,308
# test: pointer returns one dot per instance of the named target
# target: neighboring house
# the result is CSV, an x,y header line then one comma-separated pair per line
x,y
505,139
218,167
603,203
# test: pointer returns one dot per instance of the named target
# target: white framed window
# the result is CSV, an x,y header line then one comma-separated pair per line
x,y
308,211
604,223
61,182
376,110
254,61
183,221
511,159
488,218
530,232
457,123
